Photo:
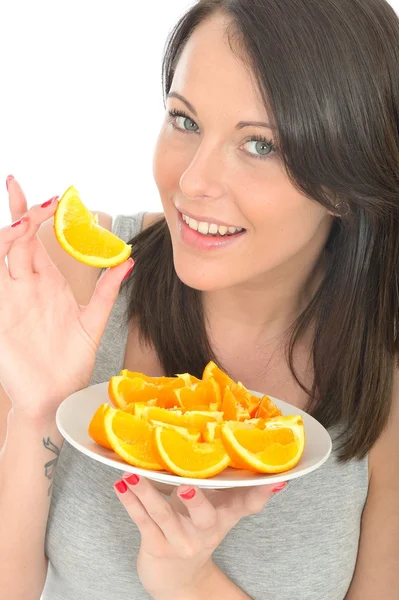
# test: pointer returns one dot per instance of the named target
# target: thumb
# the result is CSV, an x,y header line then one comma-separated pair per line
x,y
95,315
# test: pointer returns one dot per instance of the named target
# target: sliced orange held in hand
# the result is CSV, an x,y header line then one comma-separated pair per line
x,y
275,449
187,458
132,439
78,232
97,429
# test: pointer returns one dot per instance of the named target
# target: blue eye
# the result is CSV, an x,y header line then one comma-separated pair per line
x,y
187,123
262,146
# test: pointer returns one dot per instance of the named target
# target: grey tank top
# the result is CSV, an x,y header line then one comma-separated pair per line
x,y
303,545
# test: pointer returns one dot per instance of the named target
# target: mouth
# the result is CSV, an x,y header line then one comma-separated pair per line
x,y
210,229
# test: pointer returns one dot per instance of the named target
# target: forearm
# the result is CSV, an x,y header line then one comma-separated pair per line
x,y
27,464
214,586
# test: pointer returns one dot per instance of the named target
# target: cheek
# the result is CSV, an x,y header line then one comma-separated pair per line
x,y
168,166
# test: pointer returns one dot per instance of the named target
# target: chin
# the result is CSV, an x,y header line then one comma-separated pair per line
x,y
200,276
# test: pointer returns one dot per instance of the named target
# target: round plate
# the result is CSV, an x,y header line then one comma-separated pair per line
x,y
75,413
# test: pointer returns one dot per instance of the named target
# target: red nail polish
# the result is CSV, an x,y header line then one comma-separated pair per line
x,y
20,221
130,270
279,487
121,486
132,479
9,178
187,495
45,204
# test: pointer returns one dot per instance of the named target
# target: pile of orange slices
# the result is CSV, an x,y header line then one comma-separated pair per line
x,y
195,427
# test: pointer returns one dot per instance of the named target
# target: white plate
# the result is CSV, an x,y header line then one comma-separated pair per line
x,y
75,413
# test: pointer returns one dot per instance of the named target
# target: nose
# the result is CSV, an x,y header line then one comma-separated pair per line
x,y
205,176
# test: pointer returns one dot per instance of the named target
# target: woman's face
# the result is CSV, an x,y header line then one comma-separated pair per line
x,y
212,172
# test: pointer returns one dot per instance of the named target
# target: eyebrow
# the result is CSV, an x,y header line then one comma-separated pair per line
x,y
239,125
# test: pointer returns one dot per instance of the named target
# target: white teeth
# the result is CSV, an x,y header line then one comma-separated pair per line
x,y
203,228
213,229
210,228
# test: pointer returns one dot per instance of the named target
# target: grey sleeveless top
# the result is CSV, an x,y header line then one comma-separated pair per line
x,y
303,544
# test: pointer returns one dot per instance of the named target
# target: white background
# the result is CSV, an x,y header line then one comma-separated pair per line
x,y
81,99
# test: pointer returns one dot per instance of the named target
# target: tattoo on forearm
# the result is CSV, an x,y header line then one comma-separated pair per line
x,y
50,466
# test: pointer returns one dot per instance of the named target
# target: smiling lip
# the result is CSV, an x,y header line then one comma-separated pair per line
x,y
207,220
205,243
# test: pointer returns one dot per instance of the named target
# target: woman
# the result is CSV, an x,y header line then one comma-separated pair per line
x,y
276,256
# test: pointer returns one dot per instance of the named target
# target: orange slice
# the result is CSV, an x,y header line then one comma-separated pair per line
x,y
154,380
123,391
190,420
267,409
187,458
275,449
189,379
204,393
232,409
212,371
78,232
190,434
96,427
132,439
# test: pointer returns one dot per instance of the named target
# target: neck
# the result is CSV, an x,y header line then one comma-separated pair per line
x,y
267,307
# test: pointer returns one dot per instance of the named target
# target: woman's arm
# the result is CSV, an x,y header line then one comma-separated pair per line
x,y
28,461
216,586
377,568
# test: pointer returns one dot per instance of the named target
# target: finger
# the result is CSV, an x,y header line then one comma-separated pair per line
x,y
149,530
158,508
95,315
254,499
28,255
8,236
202,513
16,198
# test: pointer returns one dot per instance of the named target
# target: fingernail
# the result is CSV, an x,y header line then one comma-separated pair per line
x,y
19,221
187,495
45,204
121,486
131,261
9,178
132,479
279,487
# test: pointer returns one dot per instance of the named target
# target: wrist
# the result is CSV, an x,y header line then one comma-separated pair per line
x,y
203,588
32,420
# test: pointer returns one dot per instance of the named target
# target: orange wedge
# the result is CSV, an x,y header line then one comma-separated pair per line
x,y
97,429
147,378
232,409
187,458
188,379
196,420
275,449
267,409
78,232
132,439
190,434
123,391
212,371
204,393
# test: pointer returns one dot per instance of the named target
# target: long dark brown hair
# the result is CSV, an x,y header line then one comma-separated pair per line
x,y
328,72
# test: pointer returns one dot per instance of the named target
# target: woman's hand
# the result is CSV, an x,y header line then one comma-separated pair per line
x,y
48,343
179,536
